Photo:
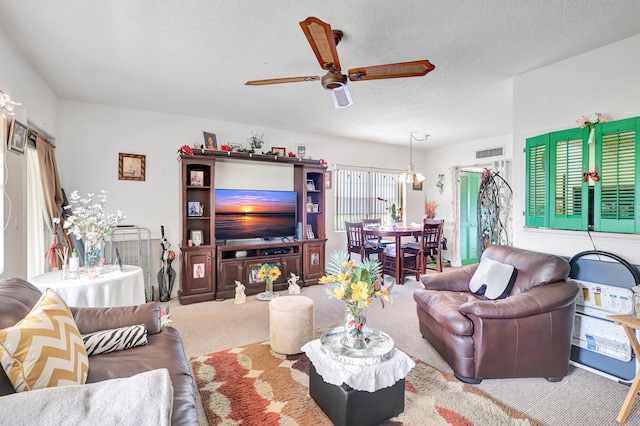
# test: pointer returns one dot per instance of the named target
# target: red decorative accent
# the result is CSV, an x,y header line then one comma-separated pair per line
x,y
226,148
185,150
291,154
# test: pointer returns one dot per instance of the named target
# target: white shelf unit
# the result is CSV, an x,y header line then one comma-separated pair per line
x,y
134,246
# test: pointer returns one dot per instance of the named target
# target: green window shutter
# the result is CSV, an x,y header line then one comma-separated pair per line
x,y
617,159
568,201
536,175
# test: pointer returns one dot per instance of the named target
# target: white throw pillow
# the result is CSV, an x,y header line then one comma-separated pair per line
x,y
493,280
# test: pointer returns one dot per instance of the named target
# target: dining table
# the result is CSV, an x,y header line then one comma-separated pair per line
x,y
397,232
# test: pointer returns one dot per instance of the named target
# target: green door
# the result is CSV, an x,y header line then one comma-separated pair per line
x,y
469,185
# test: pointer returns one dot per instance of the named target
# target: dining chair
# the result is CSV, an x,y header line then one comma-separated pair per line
x,y
356,242
427,249
375,222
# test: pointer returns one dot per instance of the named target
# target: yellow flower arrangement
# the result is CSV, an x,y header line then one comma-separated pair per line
x,y
269,273
357,285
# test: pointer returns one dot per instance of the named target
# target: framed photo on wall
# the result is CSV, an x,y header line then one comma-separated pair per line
x,y
210,141
131,166
417,186
17,136
328,179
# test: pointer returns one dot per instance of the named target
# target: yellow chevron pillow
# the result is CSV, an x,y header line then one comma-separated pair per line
x,y
45,348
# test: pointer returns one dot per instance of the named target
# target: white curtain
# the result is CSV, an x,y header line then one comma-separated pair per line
x,y
37,229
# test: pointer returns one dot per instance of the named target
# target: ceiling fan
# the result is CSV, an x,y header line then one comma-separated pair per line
x,y
323,41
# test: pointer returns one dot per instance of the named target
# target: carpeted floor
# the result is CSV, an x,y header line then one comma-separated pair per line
x,y
581,398
252,385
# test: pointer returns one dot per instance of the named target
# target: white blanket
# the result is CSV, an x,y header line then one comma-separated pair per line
x,y
143,399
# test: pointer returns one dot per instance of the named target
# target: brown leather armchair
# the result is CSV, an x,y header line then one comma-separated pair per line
x,y
527,334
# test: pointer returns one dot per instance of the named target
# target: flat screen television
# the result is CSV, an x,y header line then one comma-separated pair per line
x,y
249,214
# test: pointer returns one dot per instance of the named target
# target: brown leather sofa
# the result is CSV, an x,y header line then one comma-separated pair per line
x,y
527,334
164,348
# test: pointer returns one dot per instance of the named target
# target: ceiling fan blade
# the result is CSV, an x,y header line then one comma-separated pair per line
x,y
403,69
282,80
322,41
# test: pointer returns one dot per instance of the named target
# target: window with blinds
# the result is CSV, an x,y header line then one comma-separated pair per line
x,y
567,165
357,191
536,173
617,160
559,195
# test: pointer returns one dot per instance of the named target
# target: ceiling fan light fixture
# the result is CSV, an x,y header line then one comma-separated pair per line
x,y
334,80
341,97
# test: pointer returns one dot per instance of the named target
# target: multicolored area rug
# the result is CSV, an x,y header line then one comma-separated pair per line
x,y
252,385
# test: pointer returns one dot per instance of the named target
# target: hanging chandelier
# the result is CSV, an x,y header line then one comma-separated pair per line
x,y
411,175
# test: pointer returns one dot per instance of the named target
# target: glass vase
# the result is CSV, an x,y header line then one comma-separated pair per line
x,y
354,328
93,257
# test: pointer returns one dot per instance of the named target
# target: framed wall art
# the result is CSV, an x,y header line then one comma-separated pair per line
x,y
17,136
210,141
417,186
328,179
131,166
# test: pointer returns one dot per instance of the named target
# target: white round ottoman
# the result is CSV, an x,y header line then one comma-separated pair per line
x,y
291,323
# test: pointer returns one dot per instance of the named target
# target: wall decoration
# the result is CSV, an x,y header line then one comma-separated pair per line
x,y
17,136
417,186
328,179
440,183
210,142
495,206
131,166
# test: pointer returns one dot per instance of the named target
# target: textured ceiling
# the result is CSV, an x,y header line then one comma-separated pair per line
x,y
192,57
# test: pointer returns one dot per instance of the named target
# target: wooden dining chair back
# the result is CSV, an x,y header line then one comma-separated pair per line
x,y
356,242
428,248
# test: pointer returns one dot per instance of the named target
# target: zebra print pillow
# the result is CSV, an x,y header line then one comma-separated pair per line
x,y
105,341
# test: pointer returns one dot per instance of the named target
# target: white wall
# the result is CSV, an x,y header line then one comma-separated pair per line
x,y
553,98
445,160
39,107
91,136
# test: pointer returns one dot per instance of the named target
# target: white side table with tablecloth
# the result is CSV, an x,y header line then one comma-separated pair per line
x,y
114,288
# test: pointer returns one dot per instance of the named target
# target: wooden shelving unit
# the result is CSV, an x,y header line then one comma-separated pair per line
x,y
209,271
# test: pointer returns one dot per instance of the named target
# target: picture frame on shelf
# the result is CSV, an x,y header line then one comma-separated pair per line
x,y
310,233
282,152
302,150
210,141
194,209
309,207
235,146
17,136
328,179
311,186
197,237
197,177
131,166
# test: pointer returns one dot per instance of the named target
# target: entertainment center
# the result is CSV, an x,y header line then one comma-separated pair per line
x,y
227,234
